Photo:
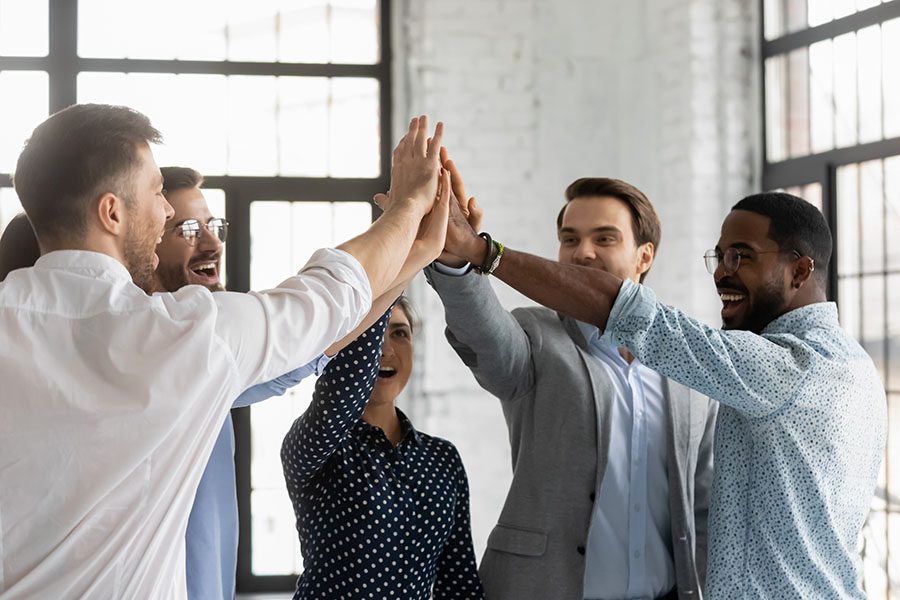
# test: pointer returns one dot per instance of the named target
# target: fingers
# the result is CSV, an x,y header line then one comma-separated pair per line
x,y
434,144
403,145
381,200
475,214
459,189
444,156
420,141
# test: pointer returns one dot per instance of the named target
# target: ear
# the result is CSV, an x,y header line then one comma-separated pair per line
x,y
111,213
803,270
646,254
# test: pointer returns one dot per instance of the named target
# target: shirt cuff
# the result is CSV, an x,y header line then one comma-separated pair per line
x,y
321,362
633,310
452,271
344,267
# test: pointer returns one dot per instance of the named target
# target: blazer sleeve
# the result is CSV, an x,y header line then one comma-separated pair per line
x,y
488,339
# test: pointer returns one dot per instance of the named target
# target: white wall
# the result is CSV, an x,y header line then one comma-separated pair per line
x,y
660,93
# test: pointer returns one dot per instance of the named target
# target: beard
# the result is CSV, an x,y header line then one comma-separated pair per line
x,y
172,277
139,250
766,305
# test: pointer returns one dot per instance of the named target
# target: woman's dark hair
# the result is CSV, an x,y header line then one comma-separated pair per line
x,y
795,224
18,246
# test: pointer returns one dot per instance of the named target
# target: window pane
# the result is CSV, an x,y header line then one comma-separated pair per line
x,y
776,108
798,94
891,48
892,381
303,118
869,72
773,17
819,12
23,28
849,307
354,31
315,31
9,207
845,109
873,321
821,96
848,225
812,193
874,552
23,106
892,211
354,128
252,126
871,197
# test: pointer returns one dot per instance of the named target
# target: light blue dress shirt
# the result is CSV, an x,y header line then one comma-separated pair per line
x,y
799,442
628,554
212,532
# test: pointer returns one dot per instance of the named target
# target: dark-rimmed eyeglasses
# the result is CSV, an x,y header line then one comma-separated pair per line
x,y
191,229
730,258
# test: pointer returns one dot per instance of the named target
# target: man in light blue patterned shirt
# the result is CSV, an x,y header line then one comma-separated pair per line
x,y
801,427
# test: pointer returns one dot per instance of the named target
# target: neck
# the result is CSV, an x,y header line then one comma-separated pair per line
x,y
88,244
384,416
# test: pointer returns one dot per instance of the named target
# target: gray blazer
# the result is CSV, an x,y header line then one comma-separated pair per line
x,y
552,391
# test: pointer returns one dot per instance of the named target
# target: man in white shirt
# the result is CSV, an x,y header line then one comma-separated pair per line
x,y
112,399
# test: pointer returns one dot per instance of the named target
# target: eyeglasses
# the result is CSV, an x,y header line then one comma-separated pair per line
x,y
731,258
191,229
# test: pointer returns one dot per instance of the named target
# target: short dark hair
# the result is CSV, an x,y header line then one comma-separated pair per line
x,y
795,224
644,221
18,246
74,157
180,178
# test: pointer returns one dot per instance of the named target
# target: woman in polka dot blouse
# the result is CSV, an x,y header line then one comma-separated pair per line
x,y
382,509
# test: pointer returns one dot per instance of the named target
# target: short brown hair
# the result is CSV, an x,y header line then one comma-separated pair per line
x,y
180,178
644,220
74,157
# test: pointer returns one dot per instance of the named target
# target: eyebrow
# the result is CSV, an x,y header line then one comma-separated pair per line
x,y
399,326
604,229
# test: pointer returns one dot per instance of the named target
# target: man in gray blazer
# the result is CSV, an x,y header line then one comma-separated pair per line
x,y
612,463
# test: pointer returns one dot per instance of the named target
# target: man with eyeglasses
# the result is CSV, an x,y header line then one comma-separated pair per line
x,y
801,426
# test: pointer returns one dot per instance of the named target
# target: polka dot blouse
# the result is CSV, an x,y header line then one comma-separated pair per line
x,y
375,521
799,441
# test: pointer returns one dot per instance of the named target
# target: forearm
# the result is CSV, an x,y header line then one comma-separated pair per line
x,y
583,293
379,307
382,250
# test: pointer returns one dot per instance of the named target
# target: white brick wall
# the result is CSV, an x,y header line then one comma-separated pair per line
x,y
661,93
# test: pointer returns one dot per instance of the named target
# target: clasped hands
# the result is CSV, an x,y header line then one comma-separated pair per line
x,y
425,179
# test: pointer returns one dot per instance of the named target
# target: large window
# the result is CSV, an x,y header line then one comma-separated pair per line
x,y
832,135
283,104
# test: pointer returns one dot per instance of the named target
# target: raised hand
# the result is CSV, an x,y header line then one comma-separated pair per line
x,y
416,167
432,235
465,216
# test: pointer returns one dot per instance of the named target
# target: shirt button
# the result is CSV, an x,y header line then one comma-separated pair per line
x,y
581,550
637,553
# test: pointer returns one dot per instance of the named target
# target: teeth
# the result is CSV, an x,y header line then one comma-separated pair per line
x,y
731,297
389,370
205,267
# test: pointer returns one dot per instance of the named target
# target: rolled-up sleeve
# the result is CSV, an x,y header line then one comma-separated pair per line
x,y
736,368
277,331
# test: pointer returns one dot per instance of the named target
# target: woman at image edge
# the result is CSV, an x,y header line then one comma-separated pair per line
x,y
382,509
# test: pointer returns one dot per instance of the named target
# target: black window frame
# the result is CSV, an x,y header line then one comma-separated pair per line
x,y
63,65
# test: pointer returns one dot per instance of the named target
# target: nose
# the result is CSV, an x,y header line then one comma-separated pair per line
x,y
170,212
207,241
584,251
387,349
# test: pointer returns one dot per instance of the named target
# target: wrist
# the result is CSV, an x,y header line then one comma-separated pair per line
x,y
412,205
476,250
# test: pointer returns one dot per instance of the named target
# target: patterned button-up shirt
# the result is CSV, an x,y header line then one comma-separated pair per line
x,y
799,442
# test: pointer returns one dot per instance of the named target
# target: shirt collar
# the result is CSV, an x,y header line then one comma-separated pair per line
x,y
84,261
820,314
407,431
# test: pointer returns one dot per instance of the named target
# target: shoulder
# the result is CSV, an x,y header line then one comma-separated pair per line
x,y
441,447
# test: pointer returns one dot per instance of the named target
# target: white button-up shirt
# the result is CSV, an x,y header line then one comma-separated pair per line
x,y
629,551
111,401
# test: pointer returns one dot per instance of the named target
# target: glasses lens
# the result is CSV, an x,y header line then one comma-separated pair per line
x,y
190,229
712,261
219,228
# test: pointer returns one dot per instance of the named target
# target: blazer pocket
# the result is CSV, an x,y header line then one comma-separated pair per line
x,y
518,540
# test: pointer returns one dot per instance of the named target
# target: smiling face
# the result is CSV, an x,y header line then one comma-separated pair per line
x,y
760,290
597,231
181,264
396,359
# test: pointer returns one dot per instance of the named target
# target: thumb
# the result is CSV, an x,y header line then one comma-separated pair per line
x,y
475,214
381,200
